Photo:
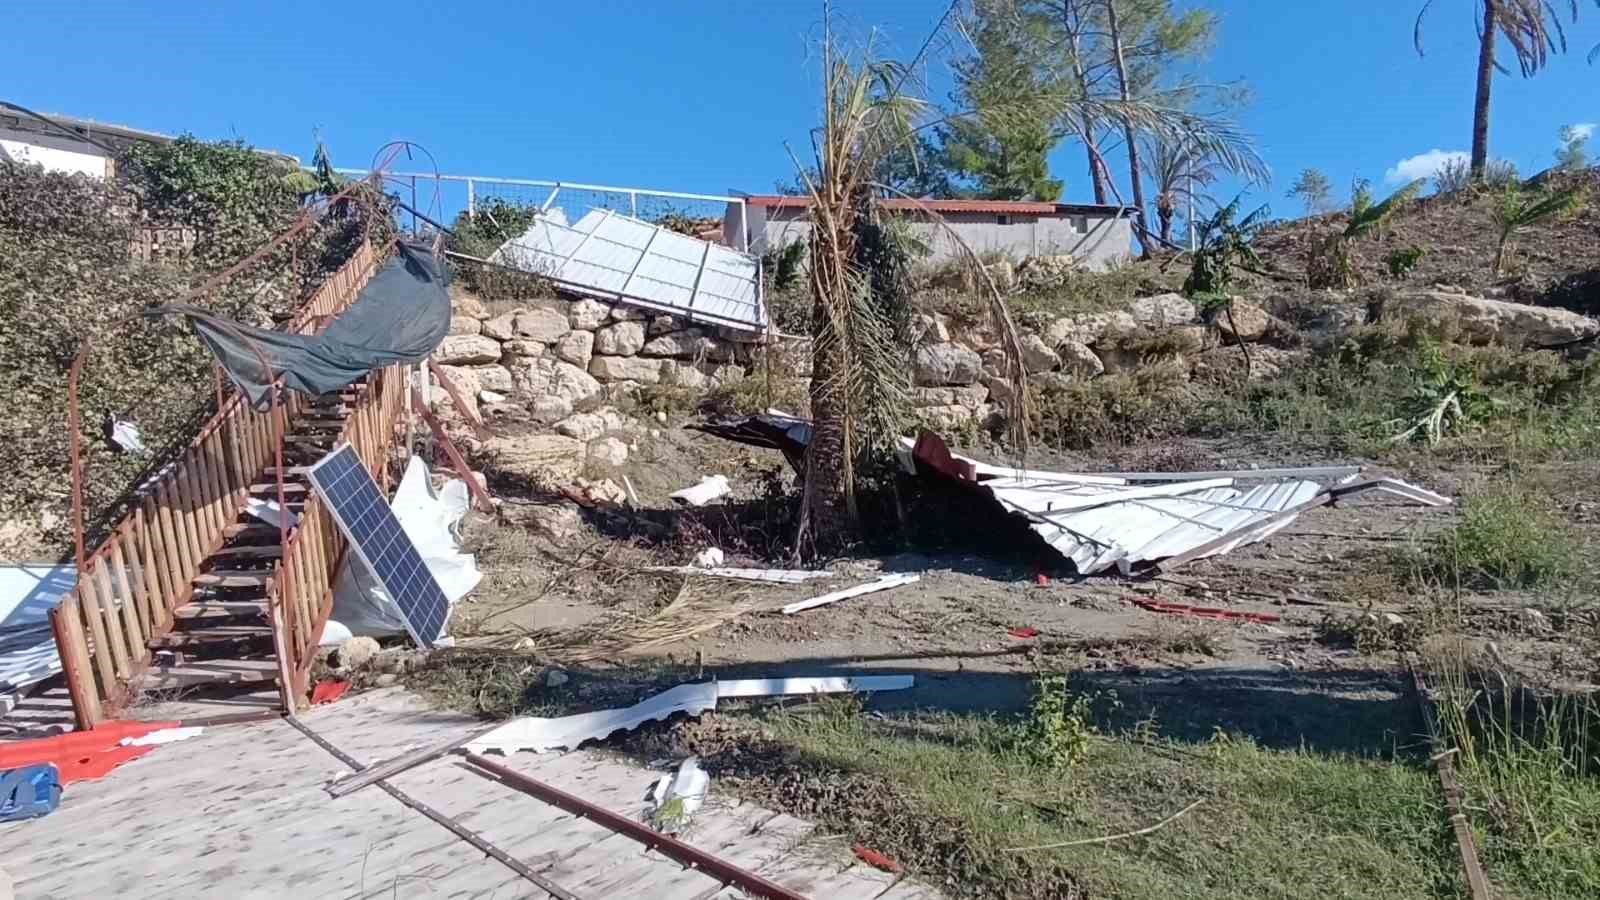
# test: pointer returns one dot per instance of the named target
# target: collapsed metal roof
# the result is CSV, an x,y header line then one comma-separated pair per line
x,y
1100,521
609,255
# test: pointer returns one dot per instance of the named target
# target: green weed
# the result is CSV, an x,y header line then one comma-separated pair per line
x,y
1506,538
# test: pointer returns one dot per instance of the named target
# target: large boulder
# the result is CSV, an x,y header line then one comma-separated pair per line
x,y
626,368
1037,355
947,363
1087,328
590,425
549,408
620,339
547,325
1246,321
576,347
523,347
1078,359
1488,321
502,327
686,344
465,381
1162,310
970,396
464,304
1046,271
465,325
545,460
621,313
494,378
546,376
466,350
587,315
608,451
926,329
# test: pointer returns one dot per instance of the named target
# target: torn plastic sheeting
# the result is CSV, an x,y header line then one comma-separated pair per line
x,y
269,512
706,490
676,797
882,584
361,607
541,735
164,736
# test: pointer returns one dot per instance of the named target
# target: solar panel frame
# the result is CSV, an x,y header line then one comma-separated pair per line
x,y
341,480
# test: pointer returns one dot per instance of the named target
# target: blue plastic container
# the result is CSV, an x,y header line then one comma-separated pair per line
x,y
29,792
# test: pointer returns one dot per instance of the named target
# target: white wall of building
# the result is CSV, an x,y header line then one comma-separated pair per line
x,y
56,154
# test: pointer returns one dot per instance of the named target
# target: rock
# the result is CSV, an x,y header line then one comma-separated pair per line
x,y
949,416
1249,323
523,348
490,398
545,325
1332,324
1036,355
1004,274
608,451
1192,338
576,348
1224,364
603,491
525,643
465,325
387,679
619,339
494,378
588,426
1078,359
356,652
555,678
947,363
559,522
545,460
999,389
1162,310
662,324
466,384
1046,270
621,313
502,327
1086,329
626,368
1486,321
699,376
970,397
547,376
926,329
587,315
689,343
464,304
549,409
466,350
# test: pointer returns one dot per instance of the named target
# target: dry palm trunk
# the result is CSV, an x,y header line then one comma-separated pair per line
x,y
1480,106
1134,167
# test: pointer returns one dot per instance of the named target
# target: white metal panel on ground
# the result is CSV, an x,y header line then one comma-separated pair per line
x,y
27,645
629,260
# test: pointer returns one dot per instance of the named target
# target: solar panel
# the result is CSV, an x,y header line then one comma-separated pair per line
x,y
380,543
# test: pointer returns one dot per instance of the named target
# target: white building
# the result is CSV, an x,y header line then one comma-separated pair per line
x,y
1096,236
25,139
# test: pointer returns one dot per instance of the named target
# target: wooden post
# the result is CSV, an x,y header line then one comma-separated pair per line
x,y
102,654
73,646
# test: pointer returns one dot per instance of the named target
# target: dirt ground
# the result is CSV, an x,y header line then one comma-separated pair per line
x,y
1329,580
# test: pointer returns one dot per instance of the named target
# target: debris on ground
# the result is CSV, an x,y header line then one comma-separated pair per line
x,y
709,558
708,489
874,859
29,792
1205,612
541,735
677,796
124,434
774,576
882,584
329,691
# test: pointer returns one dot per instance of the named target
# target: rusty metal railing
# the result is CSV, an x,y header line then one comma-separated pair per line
x,y
129,587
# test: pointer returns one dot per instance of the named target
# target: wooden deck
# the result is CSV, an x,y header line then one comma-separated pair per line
x,y
239,812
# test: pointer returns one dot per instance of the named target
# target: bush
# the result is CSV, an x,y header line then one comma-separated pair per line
x,y
1506,538
1153,401
1059,726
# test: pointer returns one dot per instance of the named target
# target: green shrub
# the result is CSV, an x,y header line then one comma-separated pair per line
x,y
1152,401
1506,538
1059,726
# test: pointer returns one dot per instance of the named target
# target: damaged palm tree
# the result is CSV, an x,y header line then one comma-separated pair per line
x,y
861,351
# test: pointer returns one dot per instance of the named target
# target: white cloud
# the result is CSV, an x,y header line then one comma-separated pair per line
x,y
1584,130
1423,165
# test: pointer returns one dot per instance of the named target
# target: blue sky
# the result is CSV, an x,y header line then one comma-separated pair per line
x,y
703,96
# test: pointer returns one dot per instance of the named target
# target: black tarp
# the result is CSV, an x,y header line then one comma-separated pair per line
x,y
399,317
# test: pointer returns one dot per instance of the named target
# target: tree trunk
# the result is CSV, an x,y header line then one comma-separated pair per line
x,y
1127,129
1480,107
1164,214
1097,173
827,511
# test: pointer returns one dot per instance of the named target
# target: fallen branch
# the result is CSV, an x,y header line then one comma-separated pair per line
x,y
1110,837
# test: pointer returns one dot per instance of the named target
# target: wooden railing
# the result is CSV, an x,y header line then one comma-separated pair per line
x,y
129,586
301,589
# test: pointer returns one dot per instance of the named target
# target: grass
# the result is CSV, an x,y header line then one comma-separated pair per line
x,y
947,796
1530,767
1507,537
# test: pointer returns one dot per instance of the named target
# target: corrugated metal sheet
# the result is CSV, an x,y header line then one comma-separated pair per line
x,y
1100,521
618,257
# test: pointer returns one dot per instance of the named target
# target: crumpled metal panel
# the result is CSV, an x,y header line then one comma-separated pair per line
x,y
606,254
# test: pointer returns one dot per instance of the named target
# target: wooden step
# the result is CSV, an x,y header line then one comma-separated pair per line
x,y
210,671
250,531
220,609
288,471
271,488
249,551
210,634
233,578
319,425
335,415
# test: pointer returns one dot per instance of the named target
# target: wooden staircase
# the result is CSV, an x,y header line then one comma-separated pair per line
x,y
224,633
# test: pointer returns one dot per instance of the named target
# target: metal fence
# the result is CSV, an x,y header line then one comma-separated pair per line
x,y
444,197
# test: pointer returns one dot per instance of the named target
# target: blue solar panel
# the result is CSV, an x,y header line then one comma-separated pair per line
x,y
380,543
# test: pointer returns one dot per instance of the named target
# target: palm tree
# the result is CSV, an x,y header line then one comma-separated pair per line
x,y
1180,171
1517,209
1534,32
